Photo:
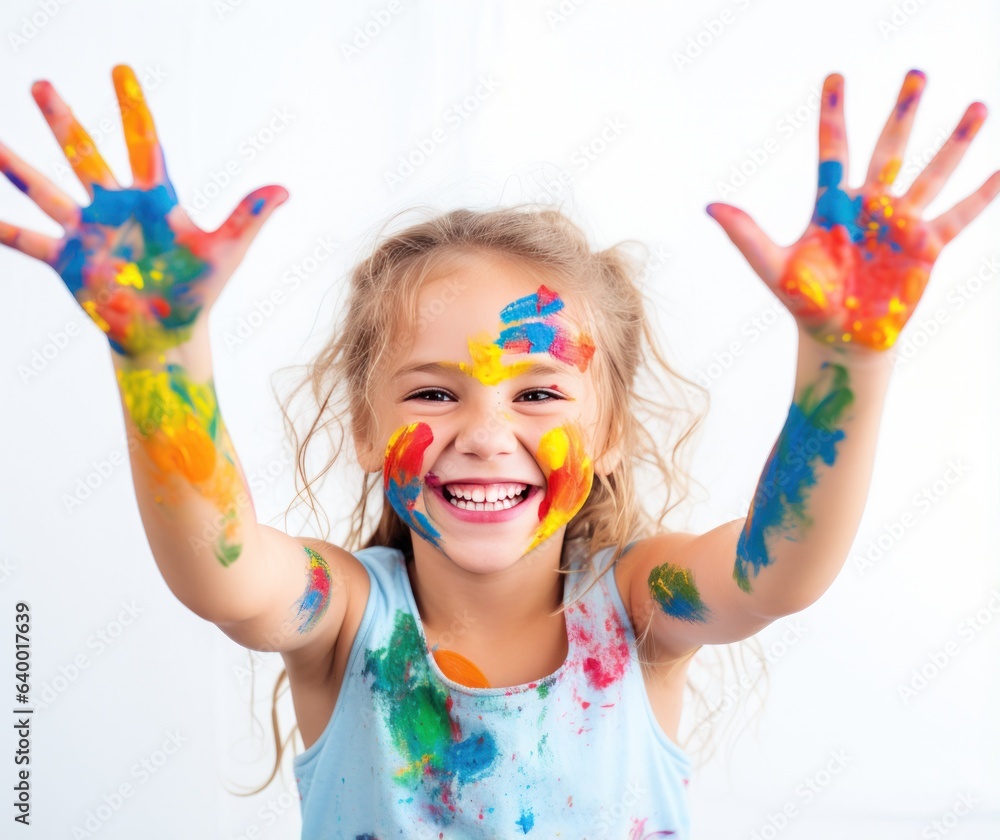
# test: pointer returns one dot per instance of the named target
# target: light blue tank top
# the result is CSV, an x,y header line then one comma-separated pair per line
x,y
409,753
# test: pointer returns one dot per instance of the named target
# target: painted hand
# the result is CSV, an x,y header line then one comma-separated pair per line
x,y
855,276
133,259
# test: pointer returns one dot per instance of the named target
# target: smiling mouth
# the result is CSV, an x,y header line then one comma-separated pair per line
x,y
500,504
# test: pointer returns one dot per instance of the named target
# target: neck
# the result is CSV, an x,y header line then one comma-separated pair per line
x,y
490,607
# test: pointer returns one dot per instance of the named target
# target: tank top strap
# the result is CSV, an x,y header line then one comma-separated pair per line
x,y
598,628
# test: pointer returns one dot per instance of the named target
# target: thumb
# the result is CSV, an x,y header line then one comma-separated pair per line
x,y
243,224
766,258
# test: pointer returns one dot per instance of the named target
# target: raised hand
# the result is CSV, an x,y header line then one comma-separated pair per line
x,y
853,279
133,259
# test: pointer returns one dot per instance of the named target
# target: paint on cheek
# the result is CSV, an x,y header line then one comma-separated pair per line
x,y
530,325
779,506
314,601
569,475
404,458
673,588
182,433
415,710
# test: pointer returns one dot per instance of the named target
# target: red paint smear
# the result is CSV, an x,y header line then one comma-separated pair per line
x,y
161,306
545,297
406,457
872,275
517,345
121,301
319,580
573,352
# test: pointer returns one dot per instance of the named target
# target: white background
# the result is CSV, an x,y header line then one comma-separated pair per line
x,y
218,74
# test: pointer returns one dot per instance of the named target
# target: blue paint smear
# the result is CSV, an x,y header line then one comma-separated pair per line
x,y
834,206
403,497
17,182
471,758
70,264
310,602
528,307
115,208
540,335
148,207
806,436
526,822
831,173
258,205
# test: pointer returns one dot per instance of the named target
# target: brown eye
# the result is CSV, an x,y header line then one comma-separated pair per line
x,y
431,394
550,395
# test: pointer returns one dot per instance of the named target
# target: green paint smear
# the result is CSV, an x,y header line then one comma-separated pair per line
x,y
674,590
414,705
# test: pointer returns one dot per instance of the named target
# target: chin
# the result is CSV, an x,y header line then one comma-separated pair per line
x,y
478,562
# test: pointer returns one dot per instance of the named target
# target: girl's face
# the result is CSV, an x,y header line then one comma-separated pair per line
x,y
493,401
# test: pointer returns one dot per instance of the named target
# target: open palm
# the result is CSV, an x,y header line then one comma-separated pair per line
x,y
133,259
854,277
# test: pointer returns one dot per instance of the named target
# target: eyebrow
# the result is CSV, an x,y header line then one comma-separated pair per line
x,y
452,369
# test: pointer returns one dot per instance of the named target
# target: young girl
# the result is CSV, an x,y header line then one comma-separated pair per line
x,y
474,669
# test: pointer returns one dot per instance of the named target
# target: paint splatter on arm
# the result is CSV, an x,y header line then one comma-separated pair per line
x,y
311,607
781,509
147,276
674,589
851,282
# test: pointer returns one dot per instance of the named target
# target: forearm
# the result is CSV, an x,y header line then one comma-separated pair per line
x,y
193,497
811,495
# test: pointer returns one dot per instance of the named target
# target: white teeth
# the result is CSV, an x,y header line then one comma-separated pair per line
x,y
485,493
467,505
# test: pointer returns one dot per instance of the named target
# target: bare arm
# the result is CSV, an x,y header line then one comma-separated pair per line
x,y
147,276
267,590
851,281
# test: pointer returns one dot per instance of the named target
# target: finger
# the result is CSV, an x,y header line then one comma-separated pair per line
x,y
929,183
36,245
951,223
76,144
144,152
832,134
52,200
249,216
766,258
888,154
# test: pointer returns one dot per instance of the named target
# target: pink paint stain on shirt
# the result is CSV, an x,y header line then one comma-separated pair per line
x,y
604,658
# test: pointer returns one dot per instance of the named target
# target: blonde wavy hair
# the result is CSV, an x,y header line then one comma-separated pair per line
x,y
645,405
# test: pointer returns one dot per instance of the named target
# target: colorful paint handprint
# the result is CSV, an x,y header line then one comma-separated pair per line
x,y
145,275
855,276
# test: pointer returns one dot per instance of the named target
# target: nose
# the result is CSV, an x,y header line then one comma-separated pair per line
x,y
487,431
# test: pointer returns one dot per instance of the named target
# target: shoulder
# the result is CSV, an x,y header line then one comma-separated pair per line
x,y
641,556
633,568
348,574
